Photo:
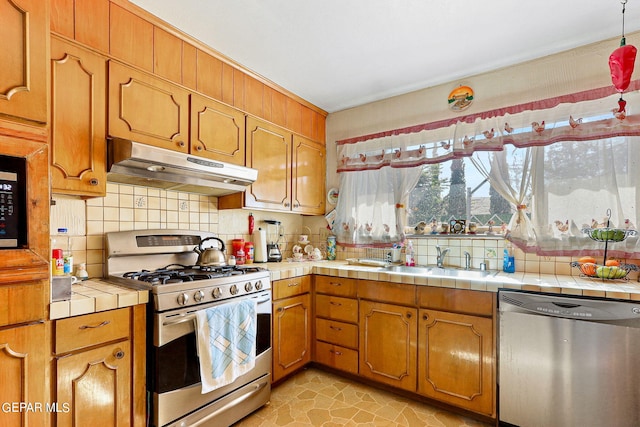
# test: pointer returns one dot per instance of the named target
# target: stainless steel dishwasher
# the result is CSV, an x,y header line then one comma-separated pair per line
x,y
568,361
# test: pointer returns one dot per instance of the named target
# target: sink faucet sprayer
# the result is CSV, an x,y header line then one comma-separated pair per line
x,y
441,255
467,260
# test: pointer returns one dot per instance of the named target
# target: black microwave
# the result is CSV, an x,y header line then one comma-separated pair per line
x,y
13,202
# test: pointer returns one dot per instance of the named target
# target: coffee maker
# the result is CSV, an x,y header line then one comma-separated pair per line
x,y
274,234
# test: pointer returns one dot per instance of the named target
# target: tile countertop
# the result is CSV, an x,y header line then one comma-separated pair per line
x,y
91,296
96,295
567,285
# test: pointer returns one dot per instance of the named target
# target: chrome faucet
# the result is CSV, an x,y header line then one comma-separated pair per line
x,y
441,255
467,260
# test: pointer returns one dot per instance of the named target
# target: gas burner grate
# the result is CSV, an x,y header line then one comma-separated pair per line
x,y
177,273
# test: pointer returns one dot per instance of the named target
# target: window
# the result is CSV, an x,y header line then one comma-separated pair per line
x,y
456,190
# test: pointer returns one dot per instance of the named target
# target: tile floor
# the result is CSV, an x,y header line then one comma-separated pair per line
x,y
320,399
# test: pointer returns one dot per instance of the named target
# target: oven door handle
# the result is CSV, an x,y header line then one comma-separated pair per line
x,y
256,389
186,318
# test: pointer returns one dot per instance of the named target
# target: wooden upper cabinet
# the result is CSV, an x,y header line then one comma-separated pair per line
x,y
87,22
130,38
308,184
78,116
23,75
269,151
217,131
167,55
147,109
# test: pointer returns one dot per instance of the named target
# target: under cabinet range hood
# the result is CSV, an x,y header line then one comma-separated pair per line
x,y
133,163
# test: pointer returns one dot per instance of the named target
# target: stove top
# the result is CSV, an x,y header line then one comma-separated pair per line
x,y
164,262
179,273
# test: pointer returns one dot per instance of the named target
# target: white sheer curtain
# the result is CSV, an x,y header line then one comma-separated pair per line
x,y
371,206
575,184
514,186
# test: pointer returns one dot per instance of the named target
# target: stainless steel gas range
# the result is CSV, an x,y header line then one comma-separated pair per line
x,y
164,262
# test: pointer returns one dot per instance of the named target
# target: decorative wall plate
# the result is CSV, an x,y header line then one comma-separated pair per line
x,y
460,98
332,196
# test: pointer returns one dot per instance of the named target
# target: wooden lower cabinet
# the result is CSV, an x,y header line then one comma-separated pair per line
x,y
388,344
291,325
100,369
24,374
456,359
94,385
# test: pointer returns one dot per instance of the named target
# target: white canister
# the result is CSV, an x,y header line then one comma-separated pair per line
x,y
260,246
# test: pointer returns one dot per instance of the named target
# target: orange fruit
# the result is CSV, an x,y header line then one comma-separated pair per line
x,y
587,259
588,268
612,263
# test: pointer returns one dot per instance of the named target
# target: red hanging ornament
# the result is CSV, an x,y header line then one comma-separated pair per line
x,y
621,63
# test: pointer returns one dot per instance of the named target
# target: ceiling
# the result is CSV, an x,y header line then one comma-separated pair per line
x,y
338,54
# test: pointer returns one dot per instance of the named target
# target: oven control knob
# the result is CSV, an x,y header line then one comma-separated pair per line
x,y
198,296
259,285
234,290
217,293
248,287
183,299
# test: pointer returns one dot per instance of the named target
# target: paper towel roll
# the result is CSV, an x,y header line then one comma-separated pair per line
x,y
260,246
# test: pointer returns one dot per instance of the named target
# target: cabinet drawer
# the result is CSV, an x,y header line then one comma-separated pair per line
x,y
289,287
344,334
339,286
91,329
337,308
337,357
457,300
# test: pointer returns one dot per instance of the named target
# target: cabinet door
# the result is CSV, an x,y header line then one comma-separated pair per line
x,y
388,350
23,370
217,131
146,109
456,360
269,151
23,81
96,386
78,104
291,335
308,183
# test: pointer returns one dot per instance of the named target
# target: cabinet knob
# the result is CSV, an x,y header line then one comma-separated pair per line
x,y
118,354
286,204
408,315
94,182
181,143
280,310
337,353
425,317
198,147
296,205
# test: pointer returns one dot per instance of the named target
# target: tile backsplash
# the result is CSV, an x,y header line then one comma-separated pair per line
x,y
127,207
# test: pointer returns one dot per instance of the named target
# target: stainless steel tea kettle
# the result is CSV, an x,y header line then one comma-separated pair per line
x,y
210,256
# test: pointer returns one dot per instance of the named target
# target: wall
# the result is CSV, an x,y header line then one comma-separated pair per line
x,y
572,71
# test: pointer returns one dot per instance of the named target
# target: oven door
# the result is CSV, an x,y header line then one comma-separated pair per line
x,y
173,376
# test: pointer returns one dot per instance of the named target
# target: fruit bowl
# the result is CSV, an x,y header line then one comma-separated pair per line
x,y
607,234
590,269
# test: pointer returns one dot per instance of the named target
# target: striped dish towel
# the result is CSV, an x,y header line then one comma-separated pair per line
x,y
226,342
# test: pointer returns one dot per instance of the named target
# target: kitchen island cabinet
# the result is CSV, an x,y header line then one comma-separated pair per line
x,y
78,122
291,325
101,354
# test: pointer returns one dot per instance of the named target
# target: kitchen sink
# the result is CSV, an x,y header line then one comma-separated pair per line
x,y
454,273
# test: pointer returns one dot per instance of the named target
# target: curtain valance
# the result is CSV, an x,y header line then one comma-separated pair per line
x,y
584,116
